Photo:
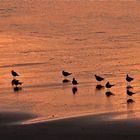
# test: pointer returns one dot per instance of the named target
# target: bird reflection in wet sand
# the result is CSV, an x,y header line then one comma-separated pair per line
x,y
16,89
130,101
109,93
99,87
130,93
74,90
16,84
129,87
65,81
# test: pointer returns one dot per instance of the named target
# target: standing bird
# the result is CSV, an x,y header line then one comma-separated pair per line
x,y
108,85
65,73
130,93
98,78
14,74
74,82
128,78
16,82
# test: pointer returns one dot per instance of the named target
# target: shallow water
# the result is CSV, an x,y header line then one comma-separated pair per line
x,y
39,39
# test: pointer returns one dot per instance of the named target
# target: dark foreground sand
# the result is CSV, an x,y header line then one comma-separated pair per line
x,y
95,127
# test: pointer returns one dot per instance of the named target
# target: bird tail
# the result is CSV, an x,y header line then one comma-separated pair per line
x,y
20,83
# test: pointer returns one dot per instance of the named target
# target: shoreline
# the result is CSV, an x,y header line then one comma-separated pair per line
x,y
110,114
99,126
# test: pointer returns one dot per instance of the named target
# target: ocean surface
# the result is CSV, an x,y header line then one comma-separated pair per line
x,y
40,38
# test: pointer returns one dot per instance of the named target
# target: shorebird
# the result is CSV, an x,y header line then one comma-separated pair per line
x,y
130,101
65,73
128,78
14,74
74,82
16,82
108,85
108,93
98,78
130,93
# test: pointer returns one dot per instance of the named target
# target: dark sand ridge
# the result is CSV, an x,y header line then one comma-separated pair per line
x,y
98,127
12,118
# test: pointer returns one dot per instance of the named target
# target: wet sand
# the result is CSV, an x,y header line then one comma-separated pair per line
x,y
39,39
10,118
98,127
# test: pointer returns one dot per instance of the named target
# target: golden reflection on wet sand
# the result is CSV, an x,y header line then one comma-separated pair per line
x,y
73,36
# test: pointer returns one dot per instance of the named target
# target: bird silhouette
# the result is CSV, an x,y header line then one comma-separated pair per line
x,y
130,93
130,101
14,74
13,82
65,73
74,82
108,85
16,82
99,78
128,78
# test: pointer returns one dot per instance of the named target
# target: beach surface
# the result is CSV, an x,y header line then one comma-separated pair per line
x,y
39,39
